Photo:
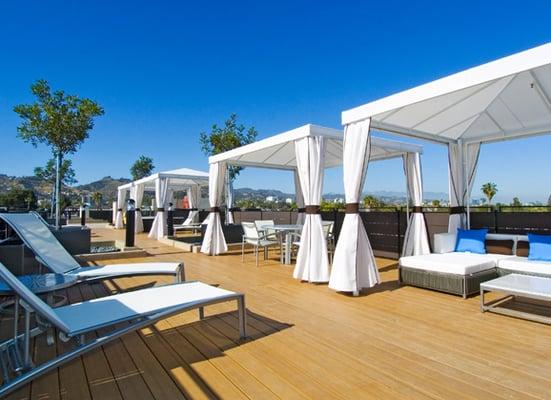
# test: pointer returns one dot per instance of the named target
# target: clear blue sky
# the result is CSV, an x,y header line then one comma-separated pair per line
x,y
165,71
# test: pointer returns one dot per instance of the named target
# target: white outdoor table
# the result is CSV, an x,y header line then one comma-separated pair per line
x,y
287,230
532,287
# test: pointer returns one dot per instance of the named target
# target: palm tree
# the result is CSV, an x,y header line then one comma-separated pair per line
x,y
489,189
97,197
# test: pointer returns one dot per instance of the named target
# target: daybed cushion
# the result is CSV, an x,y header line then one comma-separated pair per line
x,y
494,246
540,247
471,240
524,265
522,248
452,263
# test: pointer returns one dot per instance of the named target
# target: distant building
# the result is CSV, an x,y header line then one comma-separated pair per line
x,y
338,200
289,200
271,199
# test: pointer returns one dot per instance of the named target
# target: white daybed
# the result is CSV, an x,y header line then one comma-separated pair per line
x,y
461,273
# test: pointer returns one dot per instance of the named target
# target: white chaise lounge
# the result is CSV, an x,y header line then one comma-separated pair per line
x,y
121,314
461,273
38,237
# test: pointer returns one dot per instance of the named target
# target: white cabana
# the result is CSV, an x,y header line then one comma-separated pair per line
x,y
164,184
505,99
307,151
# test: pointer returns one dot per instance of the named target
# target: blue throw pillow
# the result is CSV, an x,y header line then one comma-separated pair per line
x,y
471,241
540,247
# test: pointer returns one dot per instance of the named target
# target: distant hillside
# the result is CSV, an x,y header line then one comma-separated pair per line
x,y
41,188
106,186
389,196
260,194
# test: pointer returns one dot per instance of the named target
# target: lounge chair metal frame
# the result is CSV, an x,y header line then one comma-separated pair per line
x,y
13,363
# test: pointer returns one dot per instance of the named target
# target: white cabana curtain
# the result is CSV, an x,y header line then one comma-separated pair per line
x,y
354,265
193,204
136,193
229,196
159,227
121,198
462,164
214,242
416,240
114,208
299,199
312,260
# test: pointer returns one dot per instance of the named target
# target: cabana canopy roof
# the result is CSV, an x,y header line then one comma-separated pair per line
x,y
279,151
506,98
181,178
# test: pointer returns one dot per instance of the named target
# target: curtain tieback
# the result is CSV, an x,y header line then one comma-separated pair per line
x,y
214,209
302,210
138,209
160,209
313,209
193,209
416,210
352,208
457,210
119,209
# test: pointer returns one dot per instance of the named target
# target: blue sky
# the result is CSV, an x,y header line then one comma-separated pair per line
x,y
165,71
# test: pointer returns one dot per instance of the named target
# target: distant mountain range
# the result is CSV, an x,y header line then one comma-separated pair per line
x,y
107,186
256,194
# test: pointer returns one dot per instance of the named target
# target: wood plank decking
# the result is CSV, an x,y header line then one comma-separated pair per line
x,y
306,341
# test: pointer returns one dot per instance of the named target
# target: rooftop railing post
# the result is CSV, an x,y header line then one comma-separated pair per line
x,y
398,212
496,224
82,215
170,220
130,224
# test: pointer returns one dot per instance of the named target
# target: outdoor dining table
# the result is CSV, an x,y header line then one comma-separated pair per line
x,y
287,230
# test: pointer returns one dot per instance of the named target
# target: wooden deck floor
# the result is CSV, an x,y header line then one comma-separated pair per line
x,y
306,342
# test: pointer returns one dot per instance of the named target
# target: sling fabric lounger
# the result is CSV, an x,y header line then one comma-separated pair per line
x,y
36,235
132,311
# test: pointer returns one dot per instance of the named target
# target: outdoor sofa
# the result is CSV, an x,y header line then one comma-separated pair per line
x,y
460,273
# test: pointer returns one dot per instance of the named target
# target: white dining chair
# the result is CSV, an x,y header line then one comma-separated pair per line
x,y
256,238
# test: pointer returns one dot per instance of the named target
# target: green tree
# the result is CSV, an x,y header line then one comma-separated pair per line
x,y
142,167
19,198
97,197
327,205
436,203
227,137
371,201
489,189
48,172
58,120
516,202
